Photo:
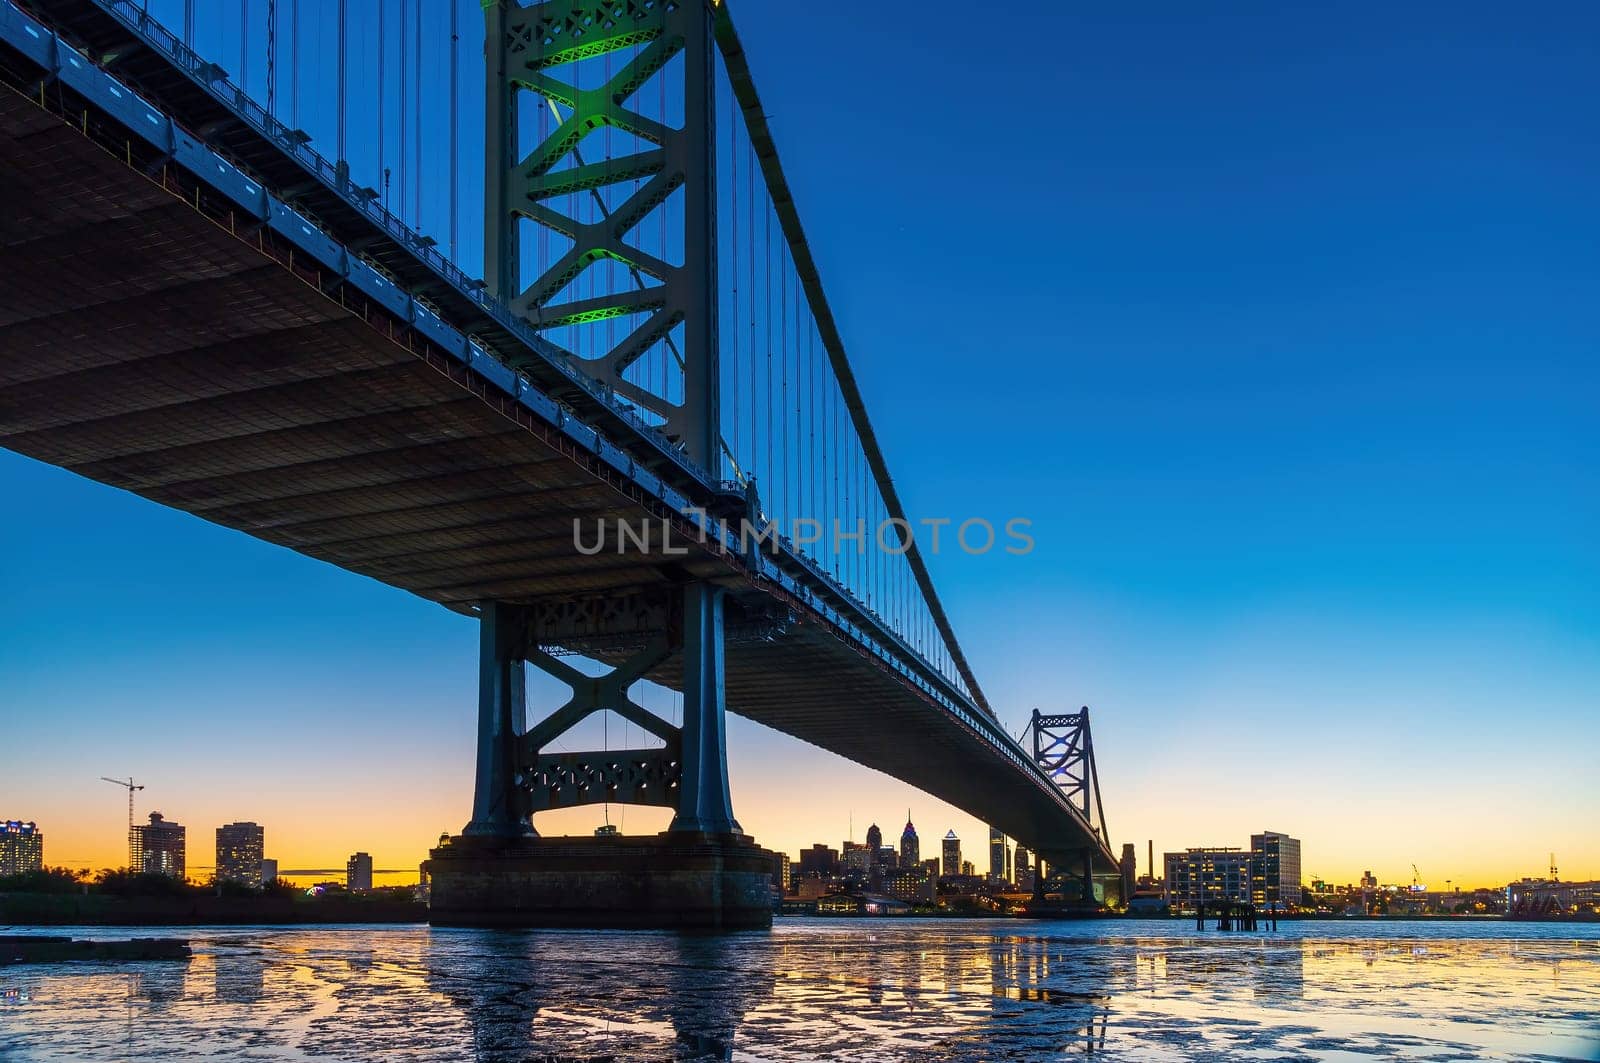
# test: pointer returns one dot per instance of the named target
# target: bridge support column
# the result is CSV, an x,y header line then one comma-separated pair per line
x,y
502,717
704,804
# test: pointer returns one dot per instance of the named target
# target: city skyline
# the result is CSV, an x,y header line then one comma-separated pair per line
x,y
1315,532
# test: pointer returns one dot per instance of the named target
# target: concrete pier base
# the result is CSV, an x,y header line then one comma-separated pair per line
x,y
674,880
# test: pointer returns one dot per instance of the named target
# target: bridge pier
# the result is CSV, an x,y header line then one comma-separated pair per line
x,y
703,872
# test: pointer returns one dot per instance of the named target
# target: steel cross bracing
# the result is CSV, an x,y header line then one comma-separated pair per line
x,y
1064,748
525,46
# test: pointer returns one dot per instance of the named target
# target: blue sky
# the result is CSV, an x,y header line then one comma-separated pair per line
x,y
1280,326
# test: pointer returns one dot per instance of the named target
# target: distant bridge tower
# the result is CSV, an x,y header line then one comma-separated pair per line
x,y
1064,747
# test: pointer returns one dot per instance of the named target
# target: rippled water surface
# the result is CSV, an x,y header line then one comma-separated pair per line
x,y
854,989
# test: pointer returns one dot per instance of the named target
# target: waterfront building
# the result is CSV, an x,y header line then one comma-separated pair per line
x,y
239,848
1275,870
952,854
997,857
358,872
21,847
1208,874
911,884
1266,875
159,848
269,871
1128,866
819,860
1544,897
780,871
910,852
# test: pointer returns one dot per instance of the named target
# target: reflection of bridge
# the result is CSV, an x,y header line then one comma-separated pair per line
x,y
198,307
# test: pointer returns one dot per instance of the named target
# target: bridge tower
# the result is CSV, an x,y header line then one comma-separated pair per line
x,y
1064,747
569,70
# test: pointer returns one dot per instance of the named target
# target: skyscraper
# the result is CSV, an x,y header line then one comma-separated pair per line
x,y
21,847
910,852
1024,869
874,868
239,847
158,848
952,854
997,856
358,872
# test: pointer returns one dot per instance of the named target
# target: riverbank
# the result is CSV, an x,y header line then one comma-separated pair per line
x,y
73,909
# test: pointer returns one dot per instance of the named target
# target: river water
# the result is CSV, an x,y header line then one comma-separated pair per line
x,y
896,989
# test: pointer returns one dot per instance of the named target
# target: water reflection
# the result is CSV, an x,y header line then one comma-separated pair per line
x,y
238,976
575,996
848,990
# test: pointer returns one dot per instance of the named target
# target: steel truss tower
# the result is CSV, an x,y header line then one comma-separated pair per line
x,y
1064,747
527,49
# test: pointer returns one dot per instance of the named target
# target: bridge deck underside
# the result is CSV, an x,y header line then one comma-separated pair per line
x,y
146,347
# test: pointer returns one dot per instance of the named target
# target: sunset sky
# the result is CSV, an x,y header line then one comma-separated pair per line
x,y
1279,327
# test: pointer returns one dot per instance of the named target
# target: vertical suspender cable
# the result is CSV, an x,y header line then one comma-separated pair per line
x,y
272,58
416,183
244,46
783,371
405,103
383,73
188,23
344,13
750,238
455,136
733,274
294,63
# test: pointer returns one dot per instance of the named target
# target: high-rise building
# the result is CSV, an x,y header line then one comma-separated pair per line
x,y
874,848
1024,870
358,872
888,858
159,848
1275,874
910,852
239,848
1129,866
997,857
856,857
21,847
952,854
780,871
269,871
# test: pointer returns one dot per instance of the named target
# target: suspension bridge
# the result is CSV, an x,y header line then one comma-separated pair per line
x,y
235,280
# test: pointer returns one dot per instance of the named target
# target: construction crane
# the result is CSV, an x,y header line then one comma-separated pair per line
x,y
128,785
